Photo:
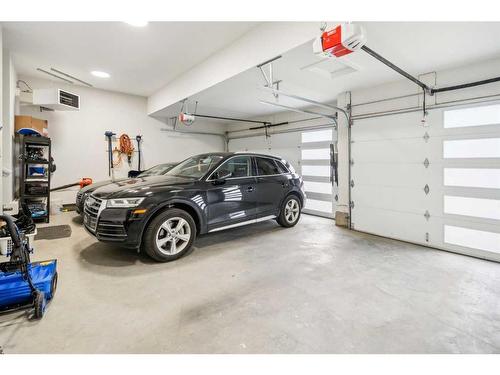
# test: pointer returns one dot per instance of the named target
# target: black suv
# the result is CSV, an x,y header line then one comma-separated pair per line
x,y
83,193
206,193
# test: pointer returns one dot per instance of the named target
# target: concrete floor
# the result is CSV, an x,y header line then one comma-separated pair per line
x,y
315,288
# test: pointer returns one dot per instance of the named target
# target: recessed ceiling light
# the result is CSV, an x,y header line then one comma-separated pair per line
x,y
137,23
99,74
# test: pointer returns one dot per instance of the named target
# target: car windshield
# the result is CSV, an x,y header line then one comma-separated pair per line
x,y
195,167
156,170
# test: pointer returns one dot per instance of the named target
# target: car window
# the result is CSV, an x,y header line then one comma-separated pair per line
x,y
266,167
239,166
281,167
195,167
156,170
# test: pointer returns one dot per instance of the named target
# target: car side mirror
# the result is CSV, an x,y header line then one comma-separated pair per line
x,y
133,173
221,176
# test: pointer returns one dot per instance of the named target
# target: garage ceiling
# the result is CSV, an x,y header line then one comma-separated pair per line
x,y
140,60
416,47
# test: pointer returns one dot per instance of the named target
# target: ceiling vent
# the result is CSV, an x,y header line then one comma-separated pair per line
x,y
331,68
56,99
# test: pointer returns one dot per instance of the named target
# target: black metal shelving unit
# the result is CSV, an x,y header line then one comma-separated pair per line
x,y
27,180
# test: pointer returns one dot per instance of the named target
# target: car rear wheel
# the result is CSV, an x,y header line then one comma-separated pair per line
x,y
290,212
170,235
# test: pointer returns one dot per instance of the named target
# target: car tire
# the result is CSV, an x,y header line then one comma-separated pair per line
x,y
169,235
290,212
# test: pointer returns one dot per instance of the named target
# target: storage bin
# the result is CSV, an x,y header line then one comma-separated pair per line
x,y
6,243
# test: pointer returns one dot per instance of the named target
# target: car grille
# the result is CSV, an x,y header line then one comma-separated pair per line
x,y
79,197
92,210
111,229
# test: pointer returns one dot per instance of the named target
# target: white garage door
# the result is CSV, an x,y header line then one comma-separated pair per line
x,y
437,185
318,171
286,146
309,153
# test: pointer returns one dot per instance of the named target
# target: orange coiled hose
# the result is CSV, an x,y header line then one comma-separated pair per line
x,y
125,147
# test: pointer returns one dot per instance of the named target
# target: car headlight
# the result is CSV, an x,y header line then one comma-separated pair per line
x,y
124,202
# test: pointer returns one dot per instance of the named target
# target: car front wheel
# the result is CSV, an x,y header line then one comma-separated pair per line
x,y
170,235
290,212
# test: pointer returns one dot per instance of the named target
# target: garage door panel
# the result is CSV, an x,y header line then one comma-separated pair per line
x,y
400,150
463,176
391,174
466,237
409,125
472,192
396,199
399,126
385,223
472,149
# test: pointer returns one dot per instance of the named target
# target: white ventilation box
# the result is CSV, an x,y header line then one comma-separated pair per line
x,y
56,99
331,68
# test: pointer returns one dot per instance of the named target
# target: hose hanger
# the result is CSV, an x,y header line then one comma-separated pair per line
x,y
125,147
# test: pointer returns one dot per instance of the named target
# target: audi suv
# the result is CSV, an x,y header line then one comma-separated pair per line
x,y
84,192
163,214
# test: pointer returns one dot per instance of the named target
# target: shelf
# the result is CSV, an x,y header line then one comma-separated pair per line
x,y
36,195
40,218
32,151
31,161
41,179
40,141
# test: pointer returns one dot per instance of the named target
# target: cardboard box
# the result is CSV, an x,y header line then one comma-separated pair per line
x,y
30,122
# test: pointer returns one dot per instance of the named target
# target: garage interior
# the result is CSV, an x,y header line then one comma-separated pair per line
x,y
398,145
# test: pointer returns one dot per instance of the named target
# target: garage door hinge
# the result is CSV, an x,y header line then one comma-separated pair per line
x,y
426,137
336,198
351,204
426,163
427,215
426,189
427,237
352,161
352,183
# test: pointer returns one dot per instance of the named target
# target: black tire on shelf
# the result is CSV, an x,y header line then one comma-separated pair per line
x,y
281,219
149,244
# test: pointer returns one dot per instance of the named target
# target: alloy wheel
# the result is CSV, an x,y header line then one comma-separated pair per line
x,y
173,236
292,211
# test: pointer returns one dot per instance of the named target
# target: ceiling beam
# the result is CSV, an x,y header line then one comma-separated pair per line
x,y
262,43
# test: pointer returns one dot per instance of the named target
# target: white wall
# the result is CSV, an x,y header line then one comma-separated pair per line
x,y
9,104
78,142
1,116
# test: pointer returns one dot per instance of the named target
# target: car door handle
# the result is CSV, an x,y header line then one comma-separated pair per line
x,y
250,189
